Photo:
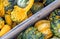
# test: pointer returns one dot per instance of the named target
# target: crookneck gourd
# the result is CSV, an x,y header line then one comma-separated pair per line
x,y
19,14
31,33
44,27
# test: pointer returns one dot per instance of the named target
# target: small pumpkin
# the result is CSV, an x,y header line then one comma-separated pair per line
x,y
44,27
8,19
31,33
1,23
36,7
4,30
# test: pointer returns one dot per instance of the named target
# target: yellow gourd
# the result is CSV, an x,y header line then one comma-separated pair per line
x,y
8,19
20,14
44,27
4,30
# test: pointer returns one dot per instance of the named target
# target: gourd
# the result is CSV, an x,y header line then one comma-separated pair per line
x,y
1,23
31,33
55,27
55,22
20,14
44,27
55,15
4,30
2,11
36,7
8,19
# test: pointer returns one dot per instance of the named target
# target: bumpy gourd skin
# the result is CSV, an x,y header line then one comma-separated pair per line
x,y
17,15
55,27
55,15
20,14
55,22
31,33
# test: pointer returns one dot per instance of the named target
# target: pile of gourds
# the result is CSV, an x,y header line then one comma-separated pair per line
x,y
48,28
13,12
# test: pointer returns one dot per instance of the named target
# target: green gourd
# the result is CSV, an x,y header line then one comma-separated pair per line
x,y
36,7
31,33
11,4
55,27
55,15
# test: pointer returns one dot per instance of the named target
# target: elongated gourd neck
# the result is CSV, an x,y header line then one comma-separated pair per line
x,y
29,5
